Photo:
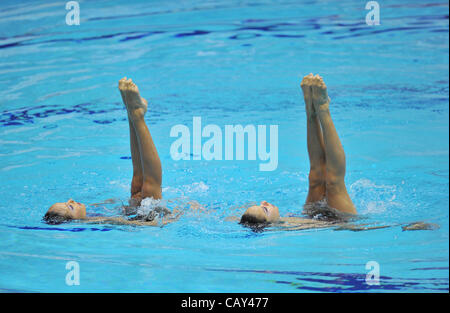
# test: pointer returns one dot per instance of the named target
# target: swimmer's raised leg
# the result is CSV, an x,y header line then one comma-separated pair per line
x,y
150,162
137,180
336,191
316,149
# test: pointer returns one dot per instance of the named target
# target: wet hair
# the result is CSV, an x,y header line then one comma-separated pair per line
x,y
53,218
253,223
251,219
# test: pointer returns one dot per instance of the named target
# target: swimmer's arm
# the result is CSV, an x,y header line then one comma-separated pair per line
x,y
405,227
117,221
107,201
360,227
121,221
297,223
303,223
232,219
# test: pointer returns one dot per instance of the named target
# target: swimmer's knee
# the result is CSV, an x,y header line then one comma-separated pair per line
x,y
316,177
334,183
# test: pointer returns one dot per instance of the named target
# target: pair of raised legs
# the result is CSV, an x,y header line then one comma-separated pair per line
x,y
326,155
147,173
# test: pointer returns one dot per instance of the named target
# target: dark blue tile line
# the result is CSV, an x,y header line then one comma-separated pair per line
x,y
267,28
9,290
416,5
351,24
379,31
419,23
324,274
80,40
194,33
141,35
21,36
100,18
103,18
244,36
9,45
26,116
352,285
288,36
368,288
433,17
76,229
348,282
312,23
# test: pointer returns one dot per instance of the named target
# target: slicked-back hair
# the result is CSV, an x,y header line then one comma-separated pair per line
x,y
54,218
250,219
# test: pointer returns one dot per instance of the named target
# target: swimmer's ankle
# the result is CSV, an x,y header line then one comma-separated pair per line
x,y
323,108
136,115
311,116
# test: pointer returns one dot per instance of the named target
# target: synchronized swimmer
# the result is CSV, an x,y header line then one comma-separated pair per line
x,y
327,192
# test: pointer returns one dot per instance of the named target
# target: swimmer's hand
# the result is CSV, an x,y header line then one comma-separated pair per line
x,y
107,201
420,226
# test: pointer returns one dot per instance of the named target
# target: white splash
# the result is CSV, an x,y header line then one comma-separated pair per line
x,y
148,204
372,198
196,187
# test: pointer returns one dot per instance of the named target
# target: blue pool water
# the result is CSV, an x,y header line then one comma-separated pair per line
x,y
64,134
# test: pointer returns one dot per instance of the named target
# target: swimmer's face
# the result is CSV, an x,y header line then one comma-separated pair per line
x,y
63,211
263,213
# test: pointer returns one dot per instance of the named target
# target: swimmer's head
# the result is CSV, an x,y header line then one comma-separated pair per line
x,y
261,214
65,211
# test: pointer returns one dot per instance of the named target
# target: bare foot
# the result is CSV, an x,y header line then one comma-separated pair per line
x,y
136,105
320,97
122,90
307,95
